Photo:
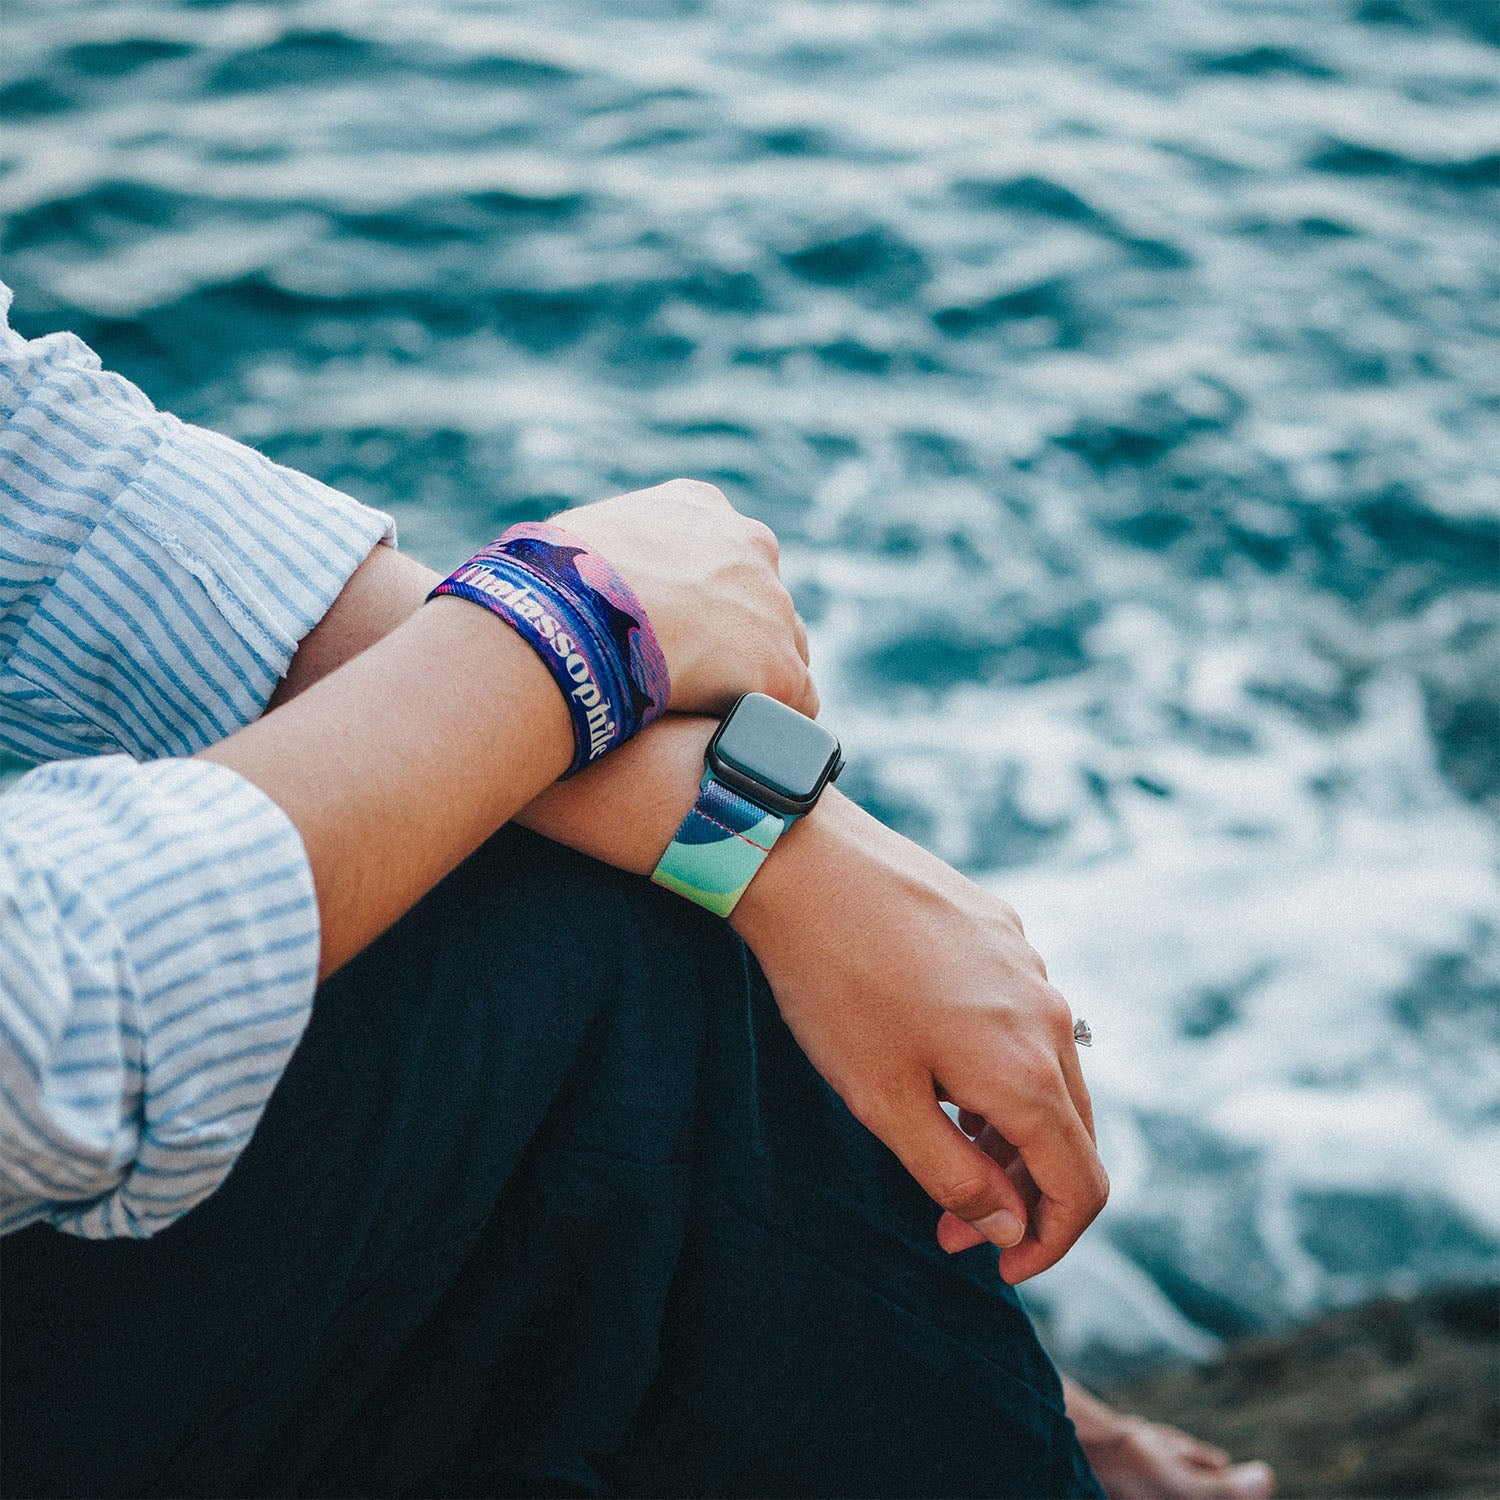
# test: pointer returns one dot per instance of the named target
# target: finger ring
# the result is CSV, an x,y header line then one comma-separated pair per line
x,y
1081,1033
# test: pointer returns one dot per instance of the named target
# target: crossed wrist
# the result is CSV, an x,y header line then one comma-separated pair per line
x,y
585,623
799,875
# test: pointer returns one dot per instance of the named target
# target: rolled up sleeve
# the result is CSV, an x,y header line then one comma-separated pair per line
x,y
155,578
158,927
158,956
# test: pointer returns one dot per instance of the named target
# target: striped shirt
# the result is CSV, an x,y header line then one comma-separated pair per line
x,y
158,930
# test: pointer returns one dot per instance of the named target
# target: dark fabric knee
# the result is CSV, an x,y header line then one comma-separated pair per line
x,y
262,1319
818,1342
548,1202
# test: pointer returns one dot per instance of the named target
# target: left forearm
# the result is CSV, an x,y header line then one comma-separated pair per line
x,y
622,811
387,588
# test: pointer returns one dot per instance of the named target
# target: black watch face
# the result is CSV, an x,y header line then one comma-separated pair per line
x,y
782,754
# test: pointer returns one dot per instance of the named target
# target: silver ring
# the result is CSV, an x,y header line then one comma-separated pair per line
x,y
1081,1033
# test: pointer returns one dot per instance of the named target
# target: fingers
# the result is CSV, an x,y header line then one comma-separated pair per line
x,y
806,700
708,576
972,1124
1078,1090
1041,1131
795,686
1059,1153
1072,1068
955,1173
1054,1165
953,1234
798,690
994,1145
763,539
1061,1163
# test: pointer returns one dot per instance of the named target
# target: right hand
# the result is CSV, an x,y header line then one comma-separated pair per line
x,y
707,578
906,984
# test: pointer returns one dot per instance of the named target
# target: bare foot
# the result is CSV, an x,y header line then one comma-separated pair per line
x,y
1149,1461
1140,1460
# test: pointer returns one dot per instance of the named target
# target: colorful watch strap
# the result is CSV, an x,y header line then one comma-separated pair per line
x,y
722,842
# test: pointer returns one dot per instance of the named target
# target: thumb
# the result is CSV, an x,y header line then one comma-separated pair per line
x,y
958,1176
955,1234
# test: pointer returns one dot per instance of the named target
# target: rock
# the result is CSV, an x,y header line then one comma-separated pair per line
x,y
1394,1398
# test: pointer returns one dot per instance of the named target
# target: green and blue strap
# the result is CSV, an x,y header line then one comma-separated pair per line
x,y
721,844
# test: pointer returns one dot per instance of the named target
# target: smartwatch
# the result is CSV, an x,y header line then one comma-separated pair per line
x,y
766,767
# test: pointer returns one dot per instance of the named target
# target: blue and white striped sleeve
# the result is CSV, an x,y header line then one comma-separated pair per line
x,y
158,929
155,578
159,954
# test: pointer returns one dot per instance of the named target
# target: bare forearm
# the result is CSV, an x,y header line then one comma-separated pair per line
x,y
402,761
386,589
404,735
623,811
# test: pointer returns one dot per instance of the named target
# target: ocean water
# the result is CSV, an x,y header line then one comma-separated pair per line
x,y
1122,380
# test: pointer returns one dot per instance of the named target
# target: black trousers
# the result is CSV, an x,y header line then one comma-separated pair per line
x,y
549,1202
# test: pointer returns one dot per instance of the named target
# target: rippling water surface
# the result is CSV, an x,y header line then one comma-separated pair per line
x,y
1121,378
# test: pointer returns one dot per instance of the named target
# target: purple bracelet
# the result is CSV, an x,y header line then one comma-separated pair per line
x,y
585,623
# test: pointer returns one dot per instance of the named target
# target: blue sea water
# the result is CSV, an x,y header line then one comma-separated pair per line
x,y
1121,378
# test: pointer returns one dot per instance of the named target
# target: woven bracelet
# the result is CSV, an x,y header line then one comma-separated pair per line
x,y
583,620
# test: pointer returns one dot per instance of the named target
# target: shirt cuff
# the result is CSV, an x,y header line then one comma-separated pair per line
x,y
162,952
271,547
199,567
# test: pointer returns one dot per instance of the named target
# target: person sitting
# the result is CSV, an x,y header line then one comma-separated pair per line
x,y
407,1139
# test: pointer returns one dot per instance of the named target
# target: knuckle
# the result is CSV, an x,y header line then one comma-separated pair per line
x,y
1036,1074
764,538
701,491
1101,1186
1055,1010
1092,1191
1038,1094
1024,1116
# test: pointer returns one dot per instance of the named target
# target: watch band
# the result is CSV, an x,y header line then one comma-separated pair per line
x,y
722,842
